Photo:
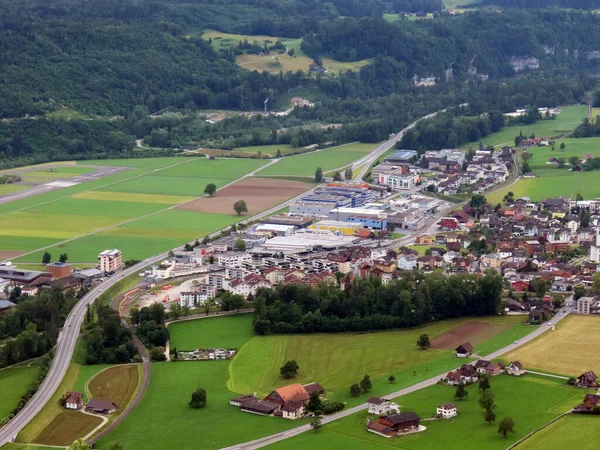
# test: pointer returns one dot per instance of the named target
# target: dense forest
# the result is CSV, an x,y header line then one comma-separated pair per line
x,y
366,304
106,340
575,4
31,328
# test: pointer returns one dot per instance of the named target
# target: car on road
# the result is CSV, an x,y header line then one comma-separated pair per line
x,y
515,342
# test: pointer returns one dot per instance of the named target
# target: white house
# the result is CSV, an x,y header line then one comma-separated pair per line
x,y
407,261
447,410
73,400
292,410
515,368
197,297
377,405
573,225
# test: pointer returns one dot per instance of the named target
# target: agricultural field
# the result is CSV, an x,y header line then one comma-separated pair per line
x,y
513,397
11,188
208,333
13,384
132,210
275,61
67,427
569,346
116,384
328,159
566,121
224,380
552,181
573,431
338,360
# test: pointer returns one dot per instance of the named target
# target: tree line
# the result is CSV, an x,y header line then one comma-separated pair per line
x,y
106,340
367,304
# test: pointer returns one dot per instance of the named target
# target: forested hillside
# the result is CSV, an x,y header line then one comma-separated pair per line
x,y
575,4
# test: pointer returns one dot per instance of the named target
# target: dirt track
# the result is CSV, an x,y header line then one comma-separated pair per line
x,y
259,194
472,332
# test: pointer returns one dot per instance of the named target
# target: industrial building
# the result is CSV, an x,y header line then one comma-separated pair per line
x,y
335,226
401,156
343,214
59,270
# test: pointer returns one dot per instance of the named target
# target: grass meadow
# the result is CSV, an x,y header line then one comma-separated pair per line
x,y
552,181
333,360
328,159
569,346
530,400
573,431
13,384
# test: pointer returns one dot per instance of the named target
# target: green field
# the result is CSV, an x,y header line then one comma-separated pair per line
x,y
209,333
13,384
328,159
573,431
337,361
10,188
94,213
552,181
566,121
266,149
530,400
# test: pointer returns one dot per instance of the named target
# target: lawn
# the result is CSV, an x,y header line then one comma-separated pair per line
x,y
569,346
328,159
338,360
116,384
566,121
552,181
573,431
230,332
514,397
13,384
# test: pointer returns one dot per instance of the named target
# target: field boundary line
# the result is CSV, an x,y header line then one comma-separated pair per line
x,y
528,435
98,187
550,375
145,216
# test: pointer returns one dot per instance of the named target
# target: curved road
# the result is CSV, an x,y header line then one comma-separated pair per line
x,y
70,332
263,442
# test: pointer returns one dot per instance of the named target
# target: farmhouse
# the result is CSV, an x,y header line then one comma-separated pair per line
x,y
515,368
468,373
587,380
488,367
377,405
255,406
288,402
396,424
314,387
453,378
590,401
73,400
446,411
100,406
464,350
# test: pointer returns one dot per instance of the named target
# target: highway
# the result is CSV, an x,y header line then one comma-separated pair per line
x,y
70,332
263,442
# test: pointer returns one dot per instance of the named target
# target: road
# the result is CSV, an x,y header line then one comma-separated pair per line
x,y
263,442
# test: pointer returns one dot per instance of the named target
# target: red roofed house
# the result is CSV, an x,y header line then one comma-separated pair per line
x,y
394,424
587,380
73,400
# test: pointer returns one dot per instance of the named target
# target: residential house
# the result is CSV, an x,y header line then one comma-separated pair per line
x,y
515,368
468,373
587,380
407,261
249,285
100,406
395,424
464,350
453,378
585,305
590,401
274,275
293,410
291,393
73,400
447,410
377,405
424,240
490,368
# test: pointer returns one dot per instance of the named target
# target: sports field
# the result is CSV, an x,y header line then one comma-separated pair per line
x,y
13,384
328,159
231,332
530,400
565,350
551,181
337,361
573,431
130,210
566,121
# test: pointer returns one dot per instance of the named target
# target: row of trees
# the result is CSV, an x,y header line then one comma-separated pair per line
x,y
366,304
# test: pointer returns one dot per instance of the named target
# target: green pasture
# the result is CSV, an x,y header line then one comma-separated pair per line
x,y
13,384
328,159
232,332
573,431
530,400
566,121
391,17
66,114
552,181
338,360
11,188
140,163
266,149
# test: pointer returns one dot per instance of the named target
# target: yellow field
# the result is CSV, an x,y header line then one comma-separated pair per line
x,y
116,384
570,350
137,198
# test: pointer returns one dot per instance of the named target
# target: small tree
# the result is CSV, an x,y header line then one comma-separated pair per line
x,y
348,173
319,175
198,399
486,401
289,369
314,403
355,390
240,245
365,383
562,146
489,416
506,426
210,189
316,423
63,258
392,379
46,258
240,207
423,343
484,383
337,176
461,393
